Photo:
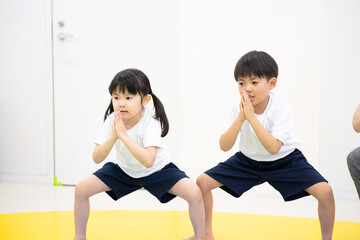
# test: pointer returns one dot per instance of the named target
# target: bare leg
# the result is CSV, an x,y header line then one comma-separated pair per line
x,y
206,184
83,190
326,207
189,191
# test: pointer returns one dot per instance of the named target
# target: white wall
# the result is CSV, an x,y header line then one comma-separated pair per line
x,y
340,85
314,42
26,140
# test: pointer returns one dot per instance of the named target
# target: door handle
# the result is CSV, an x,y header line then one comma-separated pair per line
x,y
63,36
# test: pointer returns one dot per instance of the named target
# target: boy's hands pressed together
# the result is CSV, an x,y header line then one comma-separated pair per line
x,y
228,139
271,144
246,107
241,116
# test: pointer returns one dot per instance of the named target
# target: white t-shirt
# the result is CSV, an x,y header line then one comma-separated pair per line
x,y
277,120
146,133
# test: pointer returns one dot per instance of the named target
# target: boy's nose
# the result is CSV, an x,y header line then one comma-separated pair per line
x,y
248,88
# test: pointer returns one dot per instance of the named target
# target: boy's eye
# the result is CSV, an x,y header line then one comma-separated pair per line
x,y
255,83
241,83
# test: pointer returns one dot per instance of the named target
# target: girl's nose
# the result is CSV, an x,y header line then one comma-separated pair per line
x,y
121,103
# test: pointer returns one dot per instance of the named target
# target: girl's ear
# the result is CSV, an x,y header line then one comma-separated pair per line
x,y
272,83
146,99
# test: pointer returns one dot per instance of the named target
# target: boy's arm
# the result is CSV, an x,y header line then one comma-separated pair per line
x,y
228,139
356,120
270,143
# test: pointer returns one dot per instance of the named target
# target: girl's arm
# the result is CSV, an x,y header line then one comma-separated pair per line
x,y
356,120
270,143
102,151
146,156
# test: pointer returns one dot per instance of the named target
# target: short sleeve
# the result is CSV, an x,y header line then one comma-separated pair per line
x,y
152,134
106,130
282,124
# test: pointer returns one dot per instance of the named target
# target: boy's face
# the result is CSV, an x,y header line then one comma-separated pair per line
x,y
257,89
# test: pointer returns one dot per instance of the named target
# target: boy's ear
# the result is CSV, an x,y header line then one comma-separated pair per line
x,y
146,99
273,82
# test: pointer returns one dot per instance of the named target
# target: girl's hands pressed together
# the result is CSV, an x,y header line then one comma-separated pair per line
x,y
118,132
119,128
146,156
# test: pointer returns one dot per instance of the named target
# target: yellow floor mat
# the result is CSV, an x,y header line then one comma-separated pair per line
x,y
165,225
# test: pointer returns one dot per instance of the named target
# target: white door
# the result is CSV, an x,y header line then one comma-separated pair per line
x,y
93,40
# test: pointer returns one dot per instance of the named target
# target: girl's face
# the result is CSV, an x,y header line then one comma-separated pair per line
x,y
130,106
258,91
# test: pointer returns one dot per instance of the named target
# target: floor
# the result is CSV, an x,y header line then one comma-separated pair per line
x,y
31,211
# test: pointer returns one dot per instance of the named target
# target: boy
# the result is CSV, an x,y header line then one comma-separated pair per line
x,y
268,146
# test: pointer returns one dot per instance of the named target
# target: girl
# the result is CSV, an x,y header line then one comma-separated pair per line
x,y
140,154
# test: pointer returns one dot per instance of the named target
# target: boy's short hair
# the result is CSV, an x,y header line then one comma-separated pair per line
x,y
256,63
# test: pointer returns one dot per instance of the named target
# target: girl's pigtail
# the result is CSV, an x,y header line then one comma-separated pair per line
x,y
160,115
109,110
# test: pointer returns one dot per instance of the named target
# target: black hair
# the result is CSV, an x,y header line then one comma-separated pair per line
x,y
256,63
135,82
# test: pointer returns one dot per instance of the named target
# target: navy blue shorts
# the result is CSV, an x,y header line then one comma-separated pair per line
x,y
158,183
290,175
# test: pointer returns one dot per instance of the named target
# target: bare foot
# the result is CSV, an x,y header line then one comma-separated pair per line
x,y
209,237
190,238
193,238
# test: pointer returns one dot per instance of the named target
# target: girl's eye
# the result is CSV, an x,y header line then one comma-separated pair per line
x,y
255,83
116,98
128,98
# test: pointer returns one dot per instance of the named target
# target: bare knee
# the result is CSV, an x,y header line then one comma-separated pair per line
x,y
325,193
81,190
328,193
201,181
207,183
196,196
